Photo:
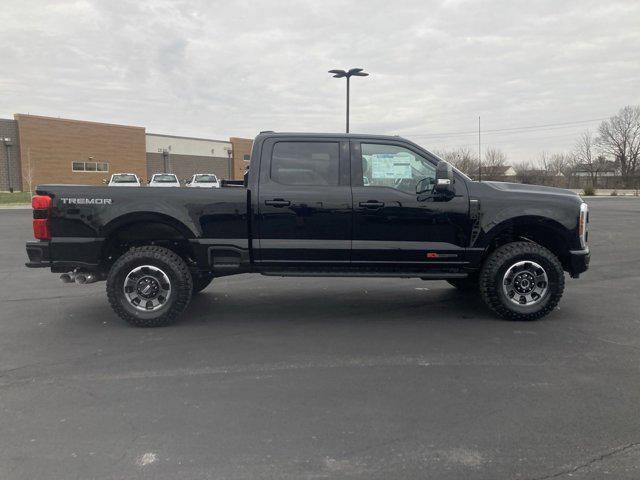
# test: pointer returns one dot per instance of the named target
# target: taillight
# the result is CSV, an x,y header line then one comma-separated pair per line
x,y
41,211
582,224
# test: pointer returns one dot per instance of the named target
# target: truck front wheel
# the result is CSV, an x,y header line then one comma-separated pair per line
x,y
149,286
522,281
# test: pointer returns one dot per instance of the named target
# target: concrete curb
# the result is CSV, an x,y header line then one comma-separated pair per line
x,y
609,196
16,206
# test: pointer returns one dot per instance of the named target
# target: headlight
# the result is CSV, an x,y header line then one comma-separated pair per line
x,y
582,224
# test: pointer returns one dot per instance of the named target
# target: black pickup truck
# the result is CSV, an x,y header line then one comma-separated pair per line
x,y
316,205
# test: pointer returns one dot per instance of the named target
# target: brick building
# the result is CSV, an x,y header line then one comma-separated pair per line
x,y
37,150
241,156
54,150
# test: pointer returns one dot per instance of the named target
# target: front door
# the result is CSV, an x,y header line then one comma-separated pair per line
x,y
393,226
304,202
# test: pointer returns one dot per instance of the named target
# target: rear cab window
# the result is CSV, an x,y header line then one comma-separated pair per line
x,y
165,179
306,163
124,179
205,179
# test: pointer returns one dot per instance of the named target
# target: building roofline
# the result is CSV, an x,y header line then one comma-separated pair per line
x,y
71,120
186,138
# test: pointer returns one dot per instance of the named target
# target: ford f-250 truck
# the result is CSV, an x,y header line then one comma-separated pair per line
x,y
316,205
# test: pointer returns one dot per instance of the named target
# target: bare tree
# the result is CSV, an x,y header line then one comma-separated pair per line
x,y
545,164
557,164
494,157
463,159
587,157
523,171
491,163
28,172
619,137
572,167
554,166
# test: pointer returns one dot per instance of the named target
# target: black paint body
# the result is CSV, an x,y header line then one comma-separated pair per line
x,y
346,229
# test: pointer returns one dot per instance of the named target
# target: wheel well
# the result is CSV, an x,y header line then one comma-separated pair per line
x,y
146,233
546,235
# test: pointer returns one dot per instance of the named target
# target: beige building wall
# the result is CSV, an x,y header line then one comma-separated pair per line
x,y
49,146
186,156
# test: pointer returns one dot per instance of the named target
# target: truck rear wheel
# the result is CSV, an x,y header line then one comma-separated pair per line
x,y
149,286
522,281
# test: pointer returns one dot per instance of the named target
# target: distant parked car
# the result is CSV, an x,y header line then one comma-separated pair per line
x,y
203,180
124,180
164,180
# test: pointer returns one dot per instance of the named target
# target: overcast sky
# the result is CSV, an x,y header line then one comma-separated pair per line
x,y
232,68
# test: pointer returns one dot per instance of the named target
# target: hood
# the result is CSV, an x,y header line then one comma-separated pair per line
x,y
525,188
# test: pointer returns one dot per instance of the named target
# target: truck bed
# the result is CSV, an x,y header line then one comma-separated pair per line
x,y
83,218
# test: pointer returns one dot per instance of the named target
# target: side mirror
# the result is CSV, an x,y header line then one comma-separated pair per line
x,y
444,178
425,185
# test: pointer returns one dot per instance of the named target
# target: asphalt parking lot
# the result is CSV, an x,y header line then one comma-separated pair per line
x,y
324,378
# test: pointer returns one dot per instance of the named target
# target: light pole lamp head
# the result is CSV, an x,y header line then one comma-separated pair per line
x,y
357,72
353,72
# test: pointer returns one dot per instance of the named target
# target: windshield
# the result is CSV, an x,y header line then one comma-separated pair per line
x,y
124,179
206,179
165,179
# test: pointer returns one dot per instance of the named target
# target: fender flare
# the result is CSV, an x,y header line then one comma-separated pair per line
x,y
141,218
549,224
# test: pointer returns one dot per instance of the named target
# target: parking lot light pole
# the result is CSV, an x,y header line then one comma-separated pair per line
x,y
7,144
165,158
354,72
230,163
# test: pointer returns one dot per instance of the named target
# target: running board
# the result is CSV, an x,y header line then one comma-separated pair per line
x,y
422,275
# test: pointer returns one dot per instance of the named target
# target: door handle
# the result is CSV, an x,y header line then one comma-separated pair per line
x,y
372,204
277,202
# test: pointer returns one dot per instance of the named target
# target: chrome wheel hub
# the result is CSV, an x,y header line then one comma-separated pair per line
x,y
147,288
525,283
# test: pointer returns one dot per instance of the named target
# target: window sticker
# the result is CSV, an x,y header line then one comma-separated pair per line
x,y
390,166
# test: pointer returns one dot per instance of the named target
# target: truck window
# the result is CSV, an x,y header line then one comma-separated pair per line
x,y
395,167
205,179
124,179
165,179
305,163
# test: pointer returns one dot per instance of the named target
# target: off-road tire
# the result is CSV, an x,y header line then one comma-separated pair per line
x,y
201,281
179,278
492,276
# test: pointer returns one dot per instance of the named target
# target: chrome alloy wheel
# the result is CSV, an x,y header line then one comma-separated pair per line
x,y
147,288
525,283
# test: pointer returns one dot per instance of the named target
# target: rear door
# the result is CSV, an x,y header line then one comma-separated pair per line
x,y
393,226
304,202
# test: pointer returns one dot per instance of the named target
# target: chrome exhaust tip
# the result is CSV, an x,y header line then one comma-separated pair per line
x,y
84,278
67,278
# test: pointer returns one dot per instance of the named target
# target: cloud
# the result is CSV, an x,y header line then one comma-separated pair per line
x,y
217,68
